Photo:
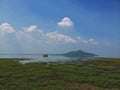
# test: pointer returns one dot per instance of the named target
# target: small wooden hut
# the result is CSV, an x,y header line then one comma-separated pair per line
x,y
45,55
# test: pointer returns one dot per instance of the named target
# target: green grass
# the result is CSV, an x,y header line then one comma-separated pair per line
x,y
91,75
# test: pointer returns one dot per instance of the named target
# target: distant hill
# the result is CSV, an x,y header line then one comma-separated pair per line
x,y
79,53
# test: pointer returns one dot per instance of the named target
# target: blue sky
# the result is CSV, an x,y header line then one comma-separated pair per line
x,y
58,26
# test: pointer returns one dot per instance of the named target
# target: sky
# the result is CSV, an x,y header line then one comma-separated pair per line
x,y
60,26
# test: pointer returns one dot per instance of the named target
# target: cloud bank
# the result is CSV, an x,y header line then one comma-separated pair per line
x,y
32,39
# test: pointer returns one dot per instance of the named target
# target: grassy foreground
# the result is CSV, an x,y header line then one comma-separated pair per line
x,y
101,74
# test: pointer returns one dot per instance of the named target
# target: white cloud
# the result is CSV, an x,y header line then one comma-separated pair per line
x,y
57,36
89,41
66,22
31,28
6,28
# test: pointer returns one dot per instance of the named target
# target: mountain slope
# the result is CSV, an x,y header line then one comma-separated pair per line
x,y
79,53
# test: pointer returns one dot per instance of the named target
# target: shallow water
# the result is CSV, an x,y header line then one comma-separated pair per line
x,y
40,58
50,58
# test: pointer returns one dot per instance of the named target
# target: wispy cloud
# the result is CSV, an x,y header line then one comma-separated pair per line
x,y
57,36
87,41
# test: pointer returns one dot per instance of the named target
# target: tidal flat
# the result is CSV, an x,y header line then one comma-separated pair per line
x,y
98,74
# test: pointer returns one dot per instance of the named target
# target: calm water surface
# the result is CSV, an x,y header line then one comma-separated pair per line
x,y
40,58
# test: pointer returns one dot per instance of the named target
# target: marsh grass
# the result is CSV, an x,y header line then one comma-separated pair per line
x,y
101,74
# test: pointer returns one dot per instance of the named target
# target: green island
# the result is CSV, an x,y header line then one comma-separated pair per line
x,y
99,74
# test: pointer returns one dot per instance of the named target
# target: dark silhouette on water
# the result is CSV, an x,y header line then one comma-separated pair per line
x,y
45,55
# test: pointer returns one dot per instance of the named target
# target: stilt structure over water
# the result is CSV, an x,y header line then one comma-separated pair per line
x,y
45,55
